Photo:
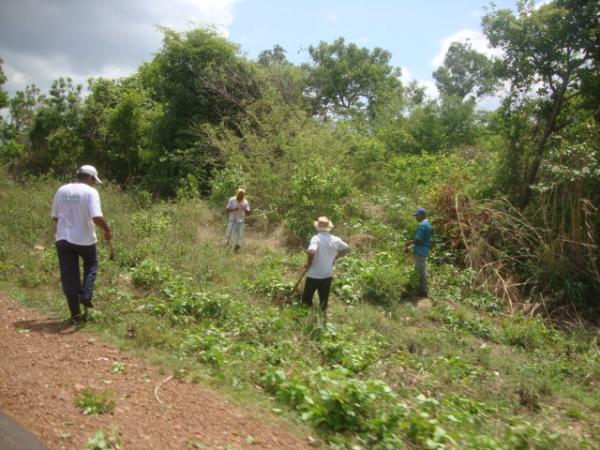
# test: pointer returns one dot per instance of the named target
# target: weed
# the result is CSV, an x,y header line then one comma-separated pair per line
x,y
101,441
92,401
118,367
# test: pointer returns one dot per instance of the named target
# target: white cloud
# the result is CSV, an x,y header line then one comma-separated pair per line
x,y
183,14
332,17
477,39
406,76
431,90
41,40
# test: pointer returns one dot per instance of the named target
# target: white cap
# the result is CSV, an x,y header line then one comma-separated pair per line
x,y
90,170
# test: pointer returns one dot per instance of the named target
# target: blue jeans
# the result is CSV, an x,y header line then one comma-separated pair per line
x,y
75,289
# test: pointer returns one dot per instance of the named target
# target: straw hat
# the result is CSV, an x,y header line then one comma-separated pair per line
x,y
323,224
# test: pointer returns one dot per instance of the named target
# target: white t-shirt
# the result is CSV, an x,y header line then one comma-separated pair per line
x,y
326,247
75,204
239,214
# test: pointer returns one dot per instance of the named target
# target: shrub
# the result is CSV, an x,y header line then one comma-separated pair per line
x,y
95,402
313,194
381,280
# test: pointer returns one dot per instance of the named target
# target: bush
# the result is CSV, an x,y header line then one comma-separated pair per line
x,y
95,402
381,280
315,194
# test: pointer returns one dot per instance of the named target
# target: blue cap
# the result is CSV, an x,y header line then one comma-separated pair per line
x,y
420,211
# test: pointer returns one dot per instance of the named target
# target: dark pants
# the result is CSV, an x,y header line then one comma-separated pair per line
x,y
323,285
68,259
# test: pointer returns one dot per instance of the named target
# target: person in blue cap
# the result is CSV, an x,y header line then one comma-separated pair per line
x,y
421,245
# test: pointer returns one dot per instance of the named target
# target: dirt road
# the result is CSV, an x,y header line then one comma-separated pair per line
x,y
45,363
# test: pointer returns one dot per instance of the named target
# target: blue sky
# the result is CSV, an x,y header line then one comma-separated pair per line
x,y
41,40
412,31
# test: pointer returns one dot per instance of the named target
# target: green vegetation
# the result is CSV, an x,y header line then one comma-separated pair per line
x,y
95,402
380,373
101,441
506,356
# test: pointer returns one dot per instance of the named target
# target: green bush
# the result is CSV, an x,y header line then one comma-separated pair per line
x,y
225,184
95,402
313,194
380,280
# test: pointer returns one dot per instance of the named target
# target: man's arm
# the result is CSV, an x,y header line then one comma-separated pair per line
x,y
99,221
230,207
341,253
310,257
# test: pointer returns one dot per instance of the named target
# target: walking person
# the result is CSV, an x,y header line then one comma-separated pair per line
x,y
75,210
237,208
421,245
324,249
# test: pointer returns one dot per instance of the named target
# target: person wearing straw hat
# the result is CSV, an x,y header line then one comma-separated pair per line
x,y
421,245
237,208
75,211
324,249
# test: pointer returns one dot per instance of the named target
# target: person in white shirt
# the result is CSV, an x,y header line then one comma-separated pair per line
x,y
75,211
323,251
237,208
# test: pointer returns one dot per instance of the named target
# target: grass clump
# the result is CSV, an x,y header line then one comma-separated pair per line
x,y
102,441
93,402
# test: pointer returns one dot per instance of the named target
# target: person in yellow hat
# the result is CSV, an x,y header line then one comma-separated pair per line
x,y
237,208
324,249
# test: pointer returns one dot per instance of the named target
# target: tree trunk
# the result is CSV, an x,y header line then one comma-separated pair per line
x,y
541,146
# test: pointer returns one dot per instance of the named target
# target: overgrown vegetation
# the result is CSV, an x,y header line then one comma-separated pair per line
x,y
306,141
381,373
507,357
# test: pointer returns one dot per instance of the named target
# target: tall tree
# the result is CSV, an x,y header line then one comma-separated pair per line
x,y
55,140
465,72
347,79
274,56
198,78
547,51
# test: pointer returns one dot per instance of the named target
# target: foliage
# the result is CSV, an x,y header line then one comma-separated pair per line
x,y
101,441
95,401
381,280
349,80
315,193
465,71
3,94
550,50
462,373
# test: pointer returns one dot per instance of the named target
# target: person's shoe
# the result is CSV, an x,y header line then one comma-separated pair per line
x,y
76,320
87,303
236,249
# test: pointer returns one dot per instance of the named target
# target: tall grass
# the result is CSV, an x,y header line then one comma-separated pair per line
x,y
460,374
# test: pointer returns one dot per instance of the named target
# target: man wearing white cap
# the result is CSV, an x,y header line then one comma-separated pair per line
x,y
75,210
323,251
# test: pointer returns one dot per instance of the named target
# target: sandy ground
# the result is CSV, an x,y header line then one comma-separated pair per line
x,y
45,363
